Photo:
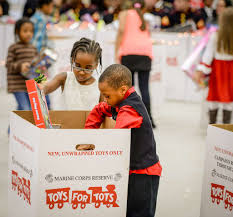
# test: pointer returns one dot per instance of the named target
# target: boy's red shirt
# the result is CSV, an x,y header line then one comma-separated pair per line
x,y
127,117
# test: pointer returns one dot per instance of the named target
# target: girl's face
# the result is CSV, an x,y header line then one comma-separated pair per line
x,y
221,5
26,32
83,66
47,8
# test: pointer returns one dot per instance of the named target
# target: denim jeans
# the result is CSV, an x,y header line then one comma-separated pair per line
x,y
22,100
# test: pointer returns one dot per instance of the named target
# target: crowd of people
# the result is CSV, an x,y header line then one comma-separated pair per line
x,y
133,47
170,12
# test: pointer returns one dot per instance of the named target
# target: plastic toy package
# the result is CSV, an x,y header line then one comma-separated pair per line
x,y
41,63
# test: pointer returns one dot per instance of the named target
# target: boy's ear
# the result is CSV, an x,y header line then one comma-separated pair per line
x,y
124,89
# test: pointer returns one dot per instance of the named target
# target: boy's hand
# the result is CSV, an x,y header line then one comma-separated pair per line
x,y
25,67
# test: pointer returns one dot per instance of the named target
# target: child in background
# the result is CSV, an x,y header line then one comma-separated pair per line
x,y
124,105
40,20
19,57
4,8
79,87
217,62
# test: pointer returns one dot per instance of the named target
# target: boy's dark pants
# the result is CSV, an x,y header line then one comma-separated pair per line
x,y
142,195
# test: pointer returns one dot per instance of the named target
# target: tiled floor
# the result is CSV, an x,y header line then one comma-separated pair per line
x,y
180,143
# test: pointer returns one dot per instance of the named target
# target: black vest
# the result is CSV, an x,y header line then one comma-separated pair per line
x,y
143,146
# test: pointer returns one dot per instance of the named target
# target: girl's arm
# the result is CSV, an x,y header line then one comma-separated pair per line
x,y
121,29
56,82
208,56
13,66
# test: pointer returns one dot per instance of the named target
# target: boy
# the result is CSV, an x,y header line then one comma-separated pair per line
x,y
122,103
40,20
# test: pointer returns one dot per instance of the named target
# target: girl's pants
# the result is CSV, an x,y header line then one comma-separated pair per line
x,y
142,195
143,81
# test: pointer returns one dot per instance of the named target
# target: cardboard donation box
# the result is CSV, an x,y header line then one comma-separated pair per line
x,y
49,176
217,190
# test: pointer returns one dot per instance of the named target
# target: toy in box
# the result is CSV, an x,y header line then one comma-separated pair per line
x,y
41,63
39,105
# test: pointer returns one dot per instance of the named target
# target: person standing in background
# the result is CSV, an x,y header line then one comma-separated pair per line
x,y
183,13
29,8
40,20
4,8
162,9
207,11
217,62
221,5
19,57
134,48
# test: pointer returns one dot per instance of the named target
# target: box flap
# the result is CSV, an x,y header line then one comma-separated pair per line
x,y
26,115
67,119
228,127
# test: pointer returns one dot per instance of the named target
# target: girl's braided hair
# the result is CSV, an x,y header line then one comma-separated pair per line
x,y
87,46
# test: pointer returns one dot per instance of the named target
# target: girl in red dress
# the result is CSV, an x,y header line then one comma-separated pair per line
x,y
217,61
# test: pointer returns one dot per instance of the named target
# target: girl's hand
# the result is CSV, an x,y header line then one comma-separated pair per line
x,y
198,77
25,67
41,85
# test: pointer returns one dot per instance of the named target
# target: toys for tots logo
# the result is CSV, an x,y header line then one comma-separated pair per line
x,y
22,186
95,195
219,194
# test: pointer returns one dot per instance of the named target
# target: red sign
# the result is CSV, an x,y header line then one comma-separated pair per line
x,y
172,61
57,196
97,197
228,200
22,185
218,195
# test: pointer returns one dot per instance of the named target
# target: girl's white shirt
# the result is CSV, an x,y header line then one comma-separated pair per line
x,y
210,54
80,97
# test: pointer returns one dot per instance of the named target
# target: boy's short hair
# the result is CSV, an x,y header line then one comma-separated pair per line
x,y
116,76
44,2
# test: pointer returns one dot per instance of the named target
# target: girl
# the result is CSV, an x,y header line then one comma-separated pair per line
x,y
79,87
218,62
221,5
19,57
134,47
